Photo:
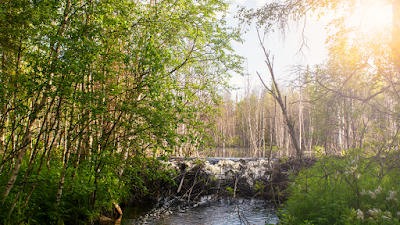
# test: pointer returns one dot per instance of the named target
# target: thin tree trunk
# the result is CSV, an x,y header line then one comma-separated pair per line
x,y
263,124
277,95
300,114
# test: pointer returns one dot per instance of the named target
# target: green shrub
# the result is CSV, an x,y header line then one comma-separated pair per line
x,y
84,195
343,190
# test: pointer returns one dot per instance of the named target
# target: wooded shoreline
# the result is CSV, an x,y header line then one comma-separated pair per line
x,y
93,92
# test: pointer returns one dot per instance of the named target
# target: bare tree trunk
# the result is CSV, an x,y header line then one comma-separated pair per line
x,y
263,123
251,133
223,138
23,147
277,132
270,136
277,95
300,113
67,151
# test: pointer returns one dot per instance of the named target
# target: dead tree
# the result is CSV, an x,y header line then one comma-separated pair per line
x,y
276,94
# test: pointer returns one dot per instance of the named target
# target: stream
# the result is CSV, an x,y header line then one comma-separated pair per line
x,y
206,211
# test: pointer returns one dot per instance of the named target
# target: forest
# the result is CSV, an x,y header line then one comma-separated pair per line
x,y
344,112
94,93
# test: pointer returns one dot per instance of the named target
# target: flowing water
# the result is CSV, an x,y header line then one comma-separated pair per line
x,y
206,211
209,209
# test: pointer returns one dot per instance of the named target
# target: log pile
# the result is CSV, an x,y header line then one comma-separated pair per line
x,y
261,179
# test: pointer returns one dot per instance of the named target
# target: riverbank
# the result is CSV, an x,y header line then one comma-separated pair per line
x,y
222,178
350,189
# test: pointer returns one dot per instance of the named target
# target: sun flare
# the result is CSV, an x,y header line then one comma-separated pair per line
x,y
375,15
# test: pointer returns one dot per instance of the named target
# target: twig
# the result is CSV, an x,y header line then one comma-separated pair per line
x,y
236,181
272,188
194,183
242,220
180,185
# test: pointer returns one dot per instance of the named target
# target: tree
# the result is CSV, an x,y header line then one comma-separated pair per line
x,y
354,101
275,92
91,88
365,58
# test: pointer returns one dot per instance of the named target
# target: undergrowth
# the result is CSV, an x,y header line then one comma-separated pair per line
x,y
84,197
344,190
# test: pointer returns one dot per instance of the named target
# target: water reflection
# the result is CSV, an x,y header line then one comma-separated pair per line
x,y
223,211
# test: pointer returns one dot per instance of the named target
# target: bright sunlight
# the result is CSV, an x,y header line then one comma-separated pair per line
x,y
374,15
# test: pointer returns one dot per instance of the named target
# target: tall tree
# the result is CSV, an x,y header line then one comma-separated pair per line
x,y
88,88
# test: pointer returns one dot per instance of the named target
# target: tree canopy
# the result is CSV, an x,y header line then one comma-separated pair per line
x,y
352,100
89,87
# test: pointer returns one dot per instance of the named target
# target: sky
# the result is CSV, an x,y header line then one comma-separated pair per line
x,y
285,53
372,16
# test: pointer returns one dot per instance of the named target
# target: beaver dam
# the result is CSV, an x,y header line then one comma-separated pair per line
x,y
217,191
234,177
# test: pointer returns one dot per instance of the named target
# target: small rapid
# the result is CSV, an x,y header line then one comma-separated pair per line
x,y
207,211
215,191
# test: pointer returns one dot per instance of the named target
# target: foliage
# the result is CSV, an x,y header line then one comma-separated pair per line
x,y
230,190
92,89
259,186
343,190
344,95
353,105
140,179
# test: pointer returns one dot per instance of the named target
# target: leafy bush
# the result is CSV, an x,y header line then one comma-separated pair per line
x,y
343,190
84,196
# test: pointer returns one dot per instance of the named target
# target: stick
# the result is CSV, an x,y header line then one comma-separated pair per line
x,y
180,185
194,183
236,180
